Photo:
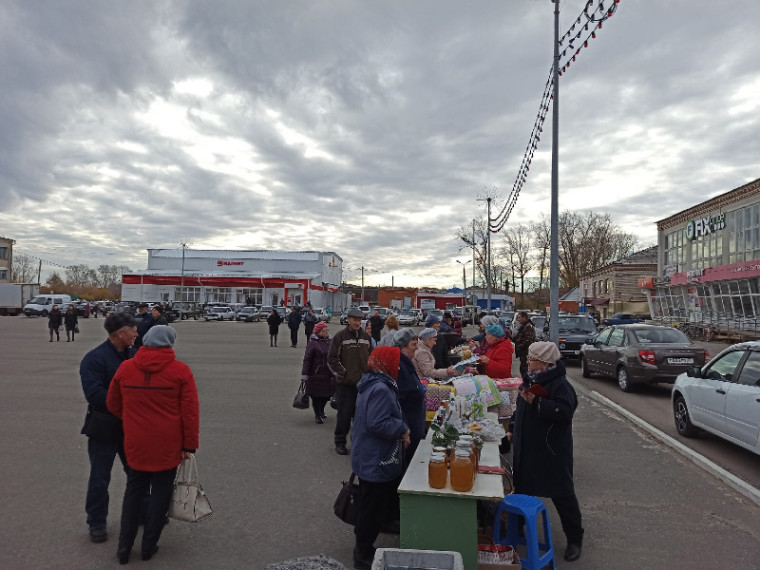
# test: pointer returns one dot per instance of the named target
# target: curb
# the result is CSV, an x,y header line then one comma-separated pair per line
x,y
701,461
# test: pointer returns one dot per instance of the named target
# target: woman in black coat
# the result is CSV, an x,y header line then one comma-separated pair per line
x,y
411,392
55,318
320,383
71,320
541,431
274,320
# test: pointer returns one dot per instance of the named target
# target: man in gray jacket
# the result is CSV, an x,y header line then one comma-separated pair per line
x,y
347,360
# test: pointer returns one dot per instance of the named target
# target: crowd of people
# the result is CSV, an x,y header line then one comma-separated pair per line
x,y
143,408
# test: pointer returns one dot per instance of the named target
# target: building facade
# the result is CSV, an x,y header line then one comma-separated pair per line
x,y
6,259
614,288
708,264
231,276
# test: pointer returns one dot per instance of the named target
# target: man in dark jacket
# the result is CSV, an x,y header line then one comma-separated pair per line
x,y
541,431
526,335
96,371
377,323
411,392
309,321
144,321
294,322
347,359
158,315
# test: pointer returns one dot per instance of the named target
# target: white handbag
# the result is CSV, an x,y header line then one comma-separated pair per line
x,y
189,502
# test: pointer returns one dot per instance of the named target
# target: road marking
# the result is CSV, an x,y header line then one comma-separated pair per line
x,y
744,488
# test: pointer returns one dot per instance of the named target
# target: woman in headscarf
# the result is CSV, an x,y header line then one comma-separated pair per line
x,y
378,441
424,360
497,362
320,383
541,431
274,320
71,322
478,342
55,318
391,323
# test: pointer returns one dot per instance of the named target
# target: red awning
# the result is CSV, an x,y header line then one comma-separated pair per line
x,y
600,301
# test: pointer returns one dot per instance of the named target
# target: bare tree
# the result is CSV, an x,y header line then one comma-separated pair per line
x,y
475,238
519,249
542,242
55,282
23,269
108,275
80,276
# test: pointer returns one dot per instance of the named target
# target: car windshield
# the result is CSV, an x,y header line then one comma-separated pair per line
x,y
576,325
660,336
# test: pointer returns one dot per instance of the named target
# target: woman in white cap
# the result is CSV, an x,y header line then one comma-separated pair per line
x,y
155,396
424,360
541,431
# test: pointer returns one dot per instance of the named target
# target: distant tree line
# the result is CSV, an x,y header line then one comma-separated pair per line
x,y
520,254
104,282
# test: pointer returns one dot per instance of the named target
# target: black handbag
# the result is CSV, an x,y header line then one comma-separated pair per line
x,y
301,401
346,506
104,427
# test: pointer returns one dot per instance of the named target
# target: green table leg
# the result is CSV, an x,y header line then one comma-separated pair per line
x,y
440,523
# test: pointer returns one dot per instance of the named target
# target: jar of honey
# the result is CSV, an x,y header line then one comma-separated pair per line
x,y
462,477
475,454
437,471
442,450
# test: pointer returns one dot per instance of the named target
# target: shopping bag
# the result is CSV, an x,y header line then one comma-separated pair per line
x,y
346,506
493,556
189,502
301,401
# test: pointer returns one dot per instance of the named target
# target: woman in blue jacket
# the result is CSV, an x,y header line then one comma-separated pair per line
x,y
378,441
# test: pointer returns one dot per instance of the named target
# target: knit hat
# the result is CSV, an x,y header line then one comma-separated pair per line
x,y
160,336
118,320
319,327
489,320
355,313
427,333
431,320
385,359
404,337
544,351
495,330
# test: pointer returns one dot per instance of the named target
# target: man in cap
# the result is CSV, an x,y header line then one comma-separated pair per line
x,y
347,359
541,431
144,322
525,336
103,430
158,315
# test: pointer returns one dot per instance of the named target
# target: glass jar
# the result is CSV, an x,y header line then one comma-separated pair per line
x,y
437,471
461,471
442,450
475,454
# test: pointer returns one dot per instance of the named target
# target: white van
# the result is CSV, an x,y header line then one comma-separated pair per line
x,y
42,304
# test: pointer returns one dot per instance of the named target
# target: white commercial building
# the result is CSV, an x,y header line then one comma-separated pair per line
x,y
230,276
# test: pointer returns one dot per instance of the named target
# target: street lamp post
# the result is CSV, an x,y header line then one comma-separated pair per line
x,y
464,277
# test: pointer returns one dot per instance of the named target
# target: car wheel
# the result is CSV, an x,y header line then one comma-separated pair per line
x,y
585,372
44,313
681,416
195,317
623,380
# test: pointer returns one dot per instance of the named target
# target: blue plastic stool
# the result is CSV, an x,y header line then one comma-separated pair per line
x,y
529,508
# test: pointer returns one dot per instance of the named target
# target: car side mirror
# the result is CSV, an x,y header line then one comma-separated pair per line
x,y
694,372
590,341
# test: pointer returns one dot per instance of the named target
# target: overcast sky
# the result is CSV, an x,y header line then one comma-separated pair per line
x,y
369,128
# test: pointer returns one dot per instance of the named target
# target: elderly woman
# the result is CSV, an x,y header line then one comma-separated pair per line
x,y
424,361
541,431
411,392
497,361
478,342
320,382
367,328
391,323
378,441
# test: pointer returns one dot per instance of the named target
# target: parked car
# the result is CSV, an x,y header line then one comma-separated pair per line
x,y
283,311
437,312
322,314
622,319
365,309
248,314
184,308
344,317
722,397
574,331
418,312
640,354
220,314
408,319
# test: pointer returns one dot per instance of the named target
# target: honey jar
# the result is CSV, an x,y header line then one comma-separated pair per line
x,y
437,471
462,476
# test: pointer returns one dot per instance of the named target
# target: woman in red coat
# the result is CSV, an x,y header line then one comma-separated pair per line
x,y
498,359
155,396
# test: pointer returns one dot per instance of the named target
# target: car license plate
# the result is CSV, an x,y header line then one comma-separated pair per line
x,y
680,361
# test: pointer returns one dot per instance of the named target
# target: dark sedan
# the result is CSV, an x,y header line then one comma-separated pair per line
x,y
640,354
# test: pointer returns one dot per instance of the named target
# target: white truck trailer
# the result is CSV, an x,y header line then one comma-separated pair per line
x,y
13,297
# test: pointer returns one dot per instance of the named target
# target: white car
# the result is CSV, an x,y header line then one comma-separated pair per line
x,y
220,314
722,397
408,319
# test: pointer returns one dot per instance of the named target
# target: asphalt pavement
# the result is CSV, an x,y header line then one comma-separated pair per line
x,y
272,475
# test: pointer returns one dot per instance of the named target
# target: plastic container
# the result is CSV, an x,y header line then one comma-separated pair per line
x,y
397,559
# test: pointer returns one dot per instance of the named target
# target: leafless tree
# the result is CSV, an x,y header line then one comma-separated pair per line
x,y
55,282
108,275
80,276
476,228
23,269
518,248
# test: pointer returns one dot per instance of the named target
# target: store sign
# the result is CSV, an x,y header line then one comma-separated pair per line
x,y
705,226
224,262
646,282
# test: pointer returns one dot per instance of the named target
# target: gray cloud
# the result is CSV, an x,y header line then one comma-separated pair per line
x,y
367,128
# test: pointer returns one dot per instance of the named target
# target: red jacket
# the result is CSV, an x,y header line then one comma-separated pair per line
x,y
500,359
155,396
